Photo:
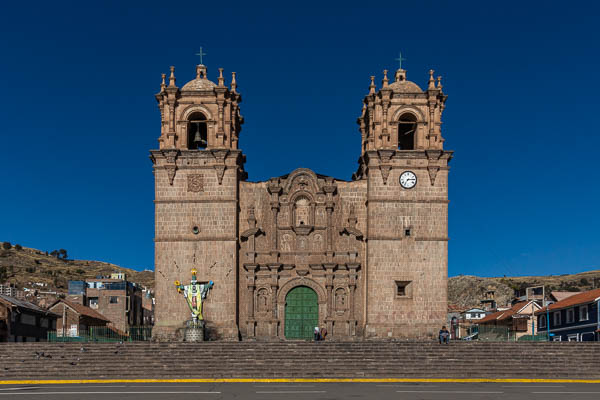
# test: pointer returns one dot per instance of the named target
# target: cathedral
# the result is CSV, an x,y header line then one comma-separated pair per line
x,y
365,258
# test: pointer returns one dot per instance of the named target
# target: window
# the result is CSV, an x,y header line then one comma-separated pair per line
x,y
570,315
93,303
583,313
114,299
403,289
407,125
197,131
44,322
556,317
407,232
28,319
542,321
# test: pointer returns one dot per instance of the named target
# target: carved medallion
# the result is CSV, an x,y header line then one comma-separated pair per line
x,y
195,183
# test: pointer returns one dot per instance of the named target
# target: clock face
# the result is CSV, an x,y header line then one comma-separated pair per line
x,y
408,179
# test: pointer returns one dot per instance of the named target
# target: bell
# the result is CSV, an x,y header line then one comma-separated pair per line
x,y
197,138
198,141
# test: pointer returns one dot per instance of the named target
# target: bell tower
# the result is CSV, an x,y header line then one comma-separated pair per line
x,y
406,168
197,170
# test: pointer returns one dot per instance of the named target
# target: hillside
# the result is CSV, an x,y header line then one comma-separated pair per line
x,y
466,291
27,266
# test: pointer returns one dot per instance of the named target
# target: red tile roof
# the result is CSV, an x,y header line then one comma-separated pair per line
x,y
576,299
559,296
83,310
502,315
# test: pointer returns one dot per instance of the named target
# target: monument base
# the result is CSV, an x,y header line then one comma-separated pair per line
x,y
194,331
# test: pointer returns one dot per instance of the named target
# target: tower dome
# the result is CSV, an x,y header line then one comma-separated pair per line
x,y
401,85
201,82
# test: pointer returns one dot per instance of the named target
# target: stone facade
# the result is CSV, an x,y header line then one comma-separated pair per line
x,y
372,249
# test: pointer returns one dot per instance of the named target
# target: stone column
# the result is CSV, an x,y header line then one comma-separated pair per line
x,y
351,289
274,268
274,189
251,277
329,268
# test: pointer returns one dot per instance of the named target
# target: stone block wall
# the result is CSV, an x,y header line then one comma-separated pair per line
x,y
196,227
407,247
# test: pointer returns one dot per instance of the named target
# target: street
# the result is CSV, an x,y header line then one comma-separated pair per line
x,y
292,390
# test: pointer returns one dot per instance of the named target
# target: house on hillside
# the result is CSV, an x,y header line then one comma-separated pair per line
x,y
574,318
21,321
75,318
115,298
473,314
510,324
556,296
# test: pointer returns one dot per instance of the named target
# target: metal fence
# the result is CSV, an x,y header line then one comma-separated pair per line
x,y
103,334
491,333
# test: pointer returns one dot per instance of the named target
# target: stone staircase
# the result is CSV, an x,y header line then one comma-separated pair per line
x,y
298,360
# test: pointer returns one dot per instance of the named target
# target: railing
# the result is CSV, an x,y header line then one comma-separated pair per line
x,y
493,333
540,337
103,334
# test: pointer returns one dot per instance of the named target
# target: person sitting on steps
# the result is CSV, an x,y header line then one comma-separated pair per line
x,y
444,335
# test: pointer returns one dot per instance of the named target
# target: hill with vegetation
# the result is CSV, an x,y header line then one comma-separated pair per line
x,y
24,267
467,291
50,271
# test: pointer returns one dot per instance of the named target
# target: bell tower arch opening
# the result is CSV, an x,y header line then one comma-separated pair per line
x,y
197,131
407,127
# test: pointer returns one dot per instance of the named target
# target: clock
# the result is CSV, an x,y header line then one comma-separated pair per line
x,y
408,179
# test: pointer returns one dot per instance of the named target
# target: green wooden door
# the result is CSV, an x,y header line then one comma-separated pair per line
x,y
301,313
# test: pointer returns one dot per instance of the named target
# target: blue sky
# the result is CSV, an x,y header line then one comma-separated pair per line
x,y
79,116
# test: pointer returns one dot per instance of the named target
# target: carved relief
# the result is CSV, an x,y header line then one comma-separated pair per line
x,y
171,170
340,300
195,183
302,245
220,172
286,242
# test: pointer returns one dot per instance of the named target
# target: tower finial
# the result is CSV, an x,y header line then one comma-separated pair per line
x,y
172,77
163,84
385,80
431,80
372,85
221,80
400,75
201,72
233,83
439,85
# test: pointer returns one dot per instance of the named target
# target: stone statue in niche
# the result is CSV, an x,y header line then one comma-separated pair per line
x,y
340,299
286,242
320,216
262,300
318,242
